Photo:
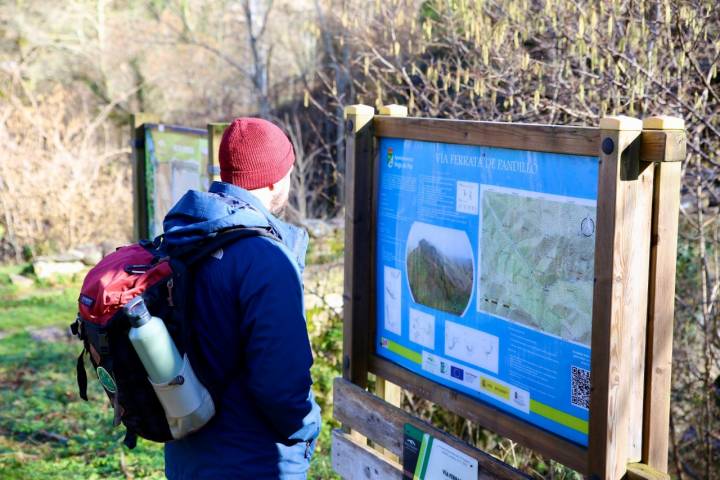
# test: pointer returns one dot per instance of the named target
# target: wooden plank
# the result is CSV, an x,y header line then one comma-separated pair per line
x,y
357,309
533,137
383,423
661,303
610,362
654,144
137,138
663,146
389,392
636,248
353,461
639,471
543,442
215,133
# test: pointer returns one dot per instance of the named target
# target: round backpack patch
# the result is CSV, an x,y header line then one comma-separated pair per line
x,y
106,380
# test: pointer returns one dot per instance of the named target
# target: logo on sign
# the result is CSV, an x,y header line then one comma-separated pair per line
x,y
456,372
389,157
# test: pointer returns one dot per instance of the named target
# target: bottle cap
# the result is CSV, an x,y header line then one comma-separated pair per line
x,y
137,311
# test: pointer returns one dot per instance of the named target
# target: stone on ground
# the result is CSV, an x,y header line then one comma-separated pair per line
x,y
21,281
50,267
49,334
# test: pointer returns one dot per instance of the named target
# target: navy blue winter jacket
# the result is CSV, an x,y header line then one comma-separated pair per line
x,y
252,341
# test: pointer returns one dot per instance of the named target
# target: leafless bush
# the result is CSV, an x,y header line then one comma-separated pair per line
x,y
64,179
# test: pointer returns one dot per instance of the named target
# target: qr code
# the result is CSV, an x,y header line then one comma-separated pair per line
x,y
580,387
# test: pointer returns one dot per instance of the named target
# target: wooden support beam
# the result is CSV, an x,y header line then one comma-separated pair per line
x,y
137,138
394,110
655,145
663,145
661,301
636,248
639,471
539,138
384,424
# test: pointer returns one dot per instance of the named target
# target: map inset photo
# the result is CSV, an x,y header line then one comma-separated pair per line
x,y
537,256
440,267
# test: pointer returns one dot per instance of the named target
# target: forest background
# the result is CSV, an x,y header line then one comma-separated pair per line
x,y
72,73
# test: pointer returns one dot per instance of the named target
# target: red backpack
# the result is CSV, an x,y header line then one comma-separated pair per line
x,y
163,281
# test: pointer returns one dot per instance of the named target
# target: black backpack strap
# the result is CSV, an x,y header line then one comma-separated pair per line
x,y
82,375
183,264
192,253
130,440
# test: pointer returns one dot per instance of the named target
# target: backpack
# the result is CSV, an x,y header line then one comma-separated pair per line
x,y
164,281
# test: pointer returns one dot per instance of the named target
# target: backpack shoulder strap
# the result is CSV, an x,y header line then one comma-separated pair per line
x,y
183,264
197,253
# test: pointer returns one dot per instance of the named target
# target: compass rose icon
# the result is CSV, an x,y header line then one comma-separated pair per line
x,y
587,227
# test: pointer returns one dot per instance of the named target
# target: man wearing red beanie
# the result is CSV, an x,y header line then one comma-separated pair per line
x,y
248,318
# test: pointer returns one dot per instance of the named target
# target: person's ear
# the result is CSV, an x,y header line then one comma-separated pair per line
x,y
271,187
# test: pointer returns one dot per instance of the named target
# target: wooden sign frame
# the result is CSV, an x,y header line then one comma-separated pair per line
x,y
137,136
637,210
140,123
215,133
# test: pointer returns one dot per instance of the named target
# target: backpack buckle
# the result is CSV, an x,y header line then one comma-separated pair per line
x,y
75,326
137,269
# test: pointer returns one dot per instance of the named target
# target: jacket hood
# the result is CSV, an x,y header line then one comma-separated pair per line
x,y
200,214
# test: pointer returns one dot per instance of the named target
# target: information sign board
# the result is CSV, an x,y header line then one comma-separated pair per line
x,y
484,276
176,160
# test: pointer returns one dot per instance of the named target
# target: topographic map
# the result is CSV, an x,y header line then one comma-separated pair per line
x,y
536,261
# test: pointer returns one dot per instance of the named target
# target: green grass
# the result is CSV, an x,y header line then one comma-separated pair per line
x,y
48,432
45,308
46,303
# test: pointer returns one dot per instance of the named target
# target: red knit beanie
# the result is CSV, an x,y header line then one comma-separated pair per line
x,y
254,153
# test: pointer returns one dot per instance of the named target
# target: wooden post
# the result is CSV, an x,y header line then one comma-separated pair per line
x,y
394,110
215,133
386,390
670,133
390,392
614,299
359,153
137,139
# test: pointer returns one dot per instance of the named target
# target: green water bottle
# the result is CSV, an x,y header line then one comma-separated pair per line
x,y
152,342
187,403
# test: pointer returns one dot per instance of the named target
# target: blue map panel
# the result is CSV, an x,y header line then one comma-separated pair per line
x,y
485,275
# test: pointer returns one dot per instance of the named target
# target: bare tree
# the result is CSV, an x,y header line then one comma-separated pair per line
x,y
256,15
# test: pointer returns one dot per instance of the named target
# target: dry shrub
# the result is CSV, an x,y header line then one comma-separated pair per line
x,y
64,179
